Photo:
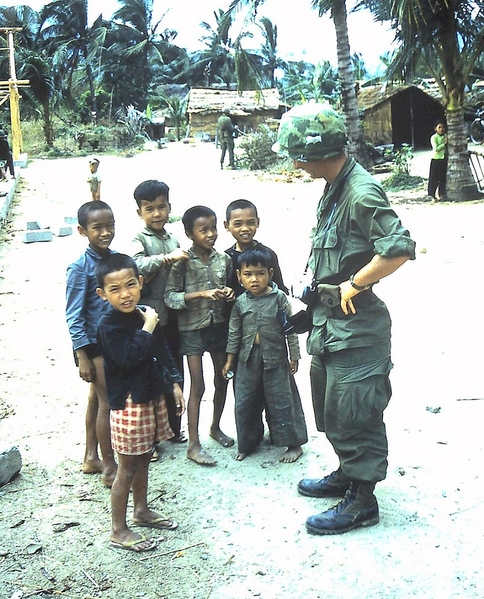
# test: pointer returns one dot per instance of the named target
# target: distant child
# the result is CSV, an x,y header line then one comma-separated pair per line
x,y
257,343
94,179
438,163
154,251
139,371
84,309
198,289
242,221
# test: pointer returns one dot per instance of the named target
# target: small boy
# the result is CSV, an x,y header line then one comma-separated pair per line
x,y
94,179
139,370
257,343
84,309
198,289
242,221
154,250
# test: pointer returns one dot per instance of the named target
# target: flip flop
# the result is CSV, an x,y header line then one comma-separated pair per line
x,y
158,523
155,456
178,438
131,545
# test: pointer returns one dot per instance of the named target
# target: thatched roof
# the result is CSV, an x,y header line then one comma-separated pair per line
x,y
371,96
244,103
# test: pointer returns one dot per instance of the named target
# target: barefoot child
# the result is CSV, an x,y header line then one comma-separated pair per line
x,y
84,309
198,289
154,250
139,371
263,379
94,178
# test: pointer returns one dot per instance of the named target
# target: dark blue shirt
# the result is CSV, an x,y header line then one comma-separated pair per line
x,y
136,363
84,307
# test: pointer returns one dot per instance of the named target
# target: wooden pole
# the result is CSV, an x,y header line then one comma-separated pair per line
x,y
17,143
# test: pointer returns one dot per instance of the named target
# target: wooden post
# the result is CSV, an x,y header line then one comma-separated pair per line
x,y
17,143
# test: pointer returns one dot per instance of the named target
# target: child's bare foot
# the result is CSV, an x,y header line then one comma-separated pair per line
x,y
200,456
107,478
239,456
220,437
93,466
291,454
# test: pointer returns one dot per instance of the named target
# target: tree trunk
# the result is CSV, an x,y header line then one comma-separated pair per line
x,y
47,124
460,182
92,92
356,144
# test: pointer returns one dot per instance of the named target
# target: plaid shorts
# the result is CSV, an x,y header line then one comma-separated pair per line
x,y
136,429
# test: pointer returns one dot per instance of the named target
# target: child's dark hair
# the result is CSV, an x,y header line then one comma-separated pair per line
x,y
86,209
114,263
254,257
440,122
150,190
191,215
239,205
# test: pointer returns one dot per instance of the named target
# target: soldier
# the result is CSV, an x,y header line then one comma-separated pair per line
x,y
357,240
225,136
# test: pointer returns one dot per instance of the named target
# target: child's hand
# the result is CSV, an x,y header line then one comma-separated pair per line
x,y
293,366
229,294
226,368
87,370
213,294
175,256
150,316
179,399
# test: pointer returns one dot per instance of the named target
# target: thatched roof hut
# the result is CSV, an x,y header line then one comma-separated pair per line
x,y
247,109
397,114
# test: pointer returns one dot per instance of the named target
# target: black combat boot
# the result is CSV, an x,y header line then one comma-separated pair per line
x,y
358,508
333,485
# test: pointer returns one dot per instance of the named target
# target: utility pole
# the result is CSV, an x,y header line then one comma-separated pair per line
x,y
13,94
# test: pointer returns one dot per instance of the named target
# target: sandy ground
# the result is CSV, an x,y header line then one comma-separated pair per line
x,y
242,531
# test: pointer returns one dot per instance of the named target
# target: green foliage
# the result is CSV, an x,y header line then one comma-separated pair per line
x,y
257,149
401,178
403,160
401,181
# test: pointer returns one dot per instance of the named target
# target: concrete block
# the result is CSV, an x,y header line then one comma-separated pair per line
x,y
61,230
32,225
40,235
44,223
10,463
70,220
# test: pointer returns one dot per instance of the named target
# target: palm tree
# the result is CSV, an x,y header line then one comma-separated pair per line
x,y
448,37
39,71
271,61
140,44
64,27
337,9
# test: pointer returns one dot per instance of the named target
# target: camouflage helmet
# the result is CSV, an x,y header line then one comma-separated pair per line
x,y
310,132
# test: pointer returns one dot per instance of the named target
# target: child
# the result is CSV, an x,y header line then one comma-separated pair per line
x,y
438,164
94,180
242,221
139,370
198,289
84,309
263,382
154,251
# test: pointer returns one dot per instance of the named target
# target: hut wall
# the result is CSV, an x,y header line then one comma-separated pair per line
x,y
203,123
378,124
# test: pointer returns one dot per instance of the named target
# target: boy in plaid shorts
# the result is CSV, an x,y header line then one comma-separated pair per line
x,y
139,371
